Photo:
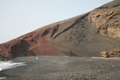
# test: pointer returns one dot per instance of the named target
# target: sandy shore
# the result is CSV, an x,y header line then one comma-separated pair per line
x,y
64,68
106,58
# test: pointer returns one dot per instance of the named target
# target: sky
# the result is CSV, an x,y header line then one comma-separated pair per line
x,y
18,17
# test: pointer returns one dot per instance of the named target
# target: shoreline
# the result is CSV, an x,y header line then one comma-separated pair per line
x,y
63,68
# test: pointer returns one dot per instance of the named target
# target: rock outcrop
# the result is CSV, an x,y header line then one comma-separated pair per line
x,y
85,35
107,20
114,53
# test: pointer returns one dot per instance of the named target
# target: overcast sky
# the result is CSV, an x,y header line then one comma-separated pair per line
x,y
18,17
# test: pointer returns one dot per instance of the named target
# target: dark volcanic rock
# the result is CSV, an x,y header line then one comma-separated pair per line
x,y
85,35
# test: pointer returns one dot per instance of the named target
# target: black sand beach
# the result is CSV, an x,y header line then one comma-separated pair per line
x,y
64,68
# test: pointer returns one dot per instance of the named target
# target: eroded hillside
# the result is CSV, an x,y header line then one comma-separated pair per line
x,y
85,35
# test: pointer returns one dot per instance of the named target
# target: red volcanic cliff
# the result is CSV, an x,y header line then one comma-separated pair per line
x,y
85,35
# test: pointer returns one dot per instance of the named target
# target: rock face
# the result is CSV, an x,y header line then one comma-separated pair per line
x,y
85,35
107,20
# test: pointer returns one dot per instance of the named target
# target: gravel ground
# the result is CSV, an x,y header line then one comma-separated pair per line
x,y
64,68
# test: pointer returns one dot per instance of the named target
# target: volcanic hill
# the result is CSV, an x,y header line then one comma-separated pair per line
x,y
85,35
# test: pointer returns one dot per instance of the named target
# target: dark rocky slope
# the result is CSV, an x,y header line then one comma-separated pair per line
x,y
85,35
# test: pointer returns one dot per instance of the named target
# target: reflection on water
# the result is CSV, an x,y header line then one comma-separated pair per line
x,y
8,65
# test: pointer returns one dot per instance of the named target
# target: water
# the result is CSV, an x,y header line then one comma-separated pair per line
x,y
2,77
4,65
